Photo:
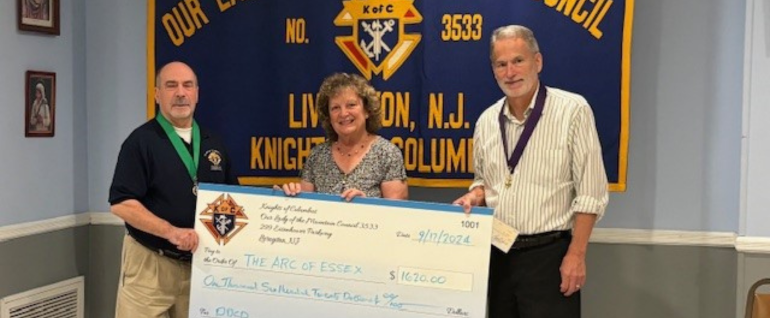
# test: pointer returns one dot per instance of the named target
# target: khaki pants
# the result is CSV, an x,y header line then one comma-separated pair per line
x,y
151,285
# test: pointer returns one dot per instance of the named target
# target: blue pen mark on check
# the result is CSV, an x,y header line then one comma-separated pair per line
x,y
231,312
443,237
383,300
289,264
223,311
418,277
229,283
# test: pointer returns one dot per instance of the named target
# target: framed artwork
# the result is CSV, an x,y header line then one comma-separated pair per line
x,y
40,106
38,15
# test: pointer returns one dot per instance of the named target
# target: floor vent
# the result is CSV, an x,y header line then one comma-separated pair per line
x,y
60,300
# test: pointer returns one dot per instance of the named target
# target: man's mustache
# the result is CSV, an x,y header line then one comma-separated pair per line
x,y
181,102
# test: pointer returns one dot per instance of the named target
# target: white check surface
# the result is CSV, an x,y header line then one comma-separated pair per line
x,y
315,255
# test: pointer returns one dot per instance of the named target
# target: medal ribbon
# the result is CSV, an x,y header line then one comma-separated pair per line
x,y
529,127
190,161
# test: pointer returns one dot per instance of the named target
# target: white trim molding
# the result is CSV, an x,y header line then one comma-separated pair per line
x,y
752,244
10,232
15,231
663,237
105,218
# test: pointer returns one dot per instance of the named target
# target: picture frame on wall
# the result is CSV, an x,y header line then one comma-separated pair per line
x,y
38,16
40,106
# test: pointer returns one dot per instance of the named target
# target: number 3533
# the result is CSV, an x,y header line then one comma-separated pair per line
x,y
461,27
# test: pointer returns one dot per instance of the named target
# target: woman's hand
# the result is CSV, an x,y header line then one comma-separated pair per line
x,y
290,189
349,194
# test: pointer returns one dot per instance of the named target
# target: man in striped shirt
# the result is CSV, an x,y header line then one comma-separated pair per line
x,y
538,163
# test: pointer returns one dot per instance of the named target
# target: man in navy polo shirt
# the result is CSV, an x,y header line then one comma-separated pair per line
x,y
154,191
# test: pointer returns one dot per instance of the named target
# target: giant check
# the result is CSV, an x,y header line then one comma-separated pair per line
x,y
262,254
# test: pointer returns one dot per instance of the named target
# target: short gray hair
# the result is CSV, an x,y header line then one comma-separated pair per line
x,y
513,32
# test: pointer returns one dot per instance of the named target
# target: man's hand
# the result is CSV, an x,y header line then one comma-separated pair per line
x,y
573,266
475,197
184,239
466,201
573,273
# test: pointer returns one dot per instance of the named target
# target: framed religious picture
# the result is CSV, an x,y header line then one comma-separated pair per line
x,y
40,106
38,15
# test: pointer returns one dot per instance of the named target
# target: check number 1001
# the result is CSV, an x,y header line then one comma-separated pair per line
x,y
469,224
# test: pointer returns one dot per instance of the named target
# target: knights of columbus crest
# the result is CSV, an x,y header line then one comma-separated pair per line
x,y
224,218
378,43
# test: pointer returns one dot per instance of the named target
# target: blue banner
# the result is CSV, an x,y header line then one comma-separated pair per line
x,y
260,63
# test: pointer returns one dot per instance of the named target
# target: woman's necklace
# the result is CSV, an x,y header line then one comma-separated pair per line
x,y
355,149
352,152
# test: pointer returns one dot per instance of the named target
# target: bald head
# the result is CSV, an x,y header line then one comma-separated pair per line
x,y
176,92
175,65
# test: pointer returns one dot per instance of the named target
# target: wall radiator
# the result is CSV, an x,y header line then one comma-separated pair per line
x,y
60,300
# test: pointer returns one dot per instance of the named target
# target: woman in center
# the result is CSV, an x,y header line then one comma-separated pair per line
x,y
354,161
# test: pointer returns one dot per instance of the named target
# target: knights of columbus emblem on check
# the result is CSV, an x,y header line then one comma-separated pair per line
x,y
223,218
379,43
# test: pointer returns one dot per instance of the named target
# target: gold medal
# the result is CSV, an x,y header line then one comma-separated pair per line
x,y
508,181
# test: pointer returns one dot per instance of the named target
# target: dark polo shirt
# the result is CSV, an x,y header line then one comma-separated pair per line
x,y
150,171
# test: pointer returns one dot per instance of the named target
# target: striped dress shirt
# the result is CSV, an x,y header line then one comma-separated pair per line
x,y
561,171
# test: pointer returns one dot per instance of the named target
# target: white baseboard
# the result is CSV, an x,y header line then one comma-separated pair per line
x,y
105,218
10,232
744,244
748,244
15,231
663,237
